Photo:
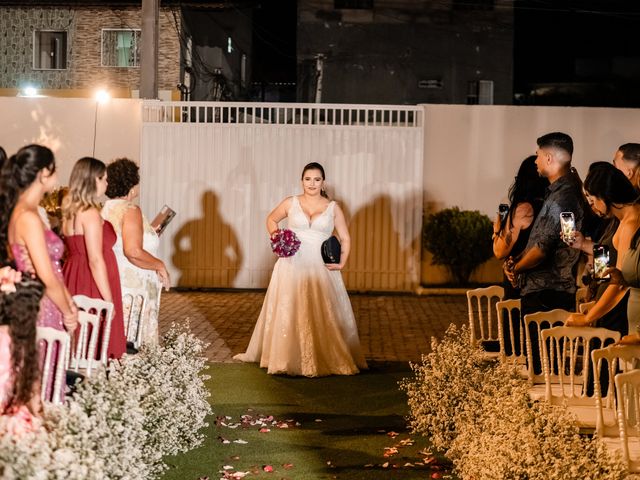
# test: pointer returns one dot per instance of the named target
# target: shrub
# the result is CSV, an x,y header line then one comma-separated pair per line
x,y
459,240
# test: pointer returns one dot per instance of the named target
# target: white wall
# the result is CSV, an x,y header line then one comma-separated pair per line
x,y
472,153
66,125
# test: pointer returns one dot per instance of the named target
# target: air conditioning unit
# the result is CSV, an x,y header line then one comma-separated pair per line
x,y
485,92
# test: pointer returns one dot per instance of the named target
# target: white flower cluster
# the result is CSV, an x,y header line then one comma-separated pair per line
x,y
120,423
480,415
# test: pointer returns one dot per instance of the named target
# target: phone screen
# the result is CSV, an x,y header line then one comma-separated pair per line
x,y
503,210
567,226
600,261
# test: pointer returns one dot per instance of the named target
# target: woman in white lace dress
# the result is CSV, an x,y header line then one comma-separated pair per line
x,y
306,326
136,246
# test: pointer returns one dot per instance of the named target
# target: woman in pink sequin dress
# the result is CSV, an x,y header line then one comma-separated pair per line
x,y
36,250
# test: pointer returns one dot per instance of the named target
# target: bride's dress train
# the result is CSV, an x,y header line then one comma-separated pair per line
x,y
306,326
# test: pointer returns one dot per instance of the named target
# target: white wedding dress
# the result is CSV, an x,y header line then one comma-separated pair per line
x,y
306,326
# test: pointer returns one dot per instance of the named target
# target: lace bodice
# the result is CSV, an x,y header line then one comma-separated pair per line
x,y
320,227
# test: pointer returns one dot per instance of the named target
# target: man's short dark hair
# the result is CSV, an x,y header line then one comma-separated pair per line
x,y
556,140
631,152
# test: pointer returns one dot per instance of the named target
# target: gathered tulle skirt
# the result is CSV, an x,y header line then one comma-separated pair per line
x,y
306,326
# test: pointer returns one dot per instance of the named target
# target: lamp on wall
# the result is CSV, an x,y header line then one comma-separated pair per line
x,y
101,96
29,91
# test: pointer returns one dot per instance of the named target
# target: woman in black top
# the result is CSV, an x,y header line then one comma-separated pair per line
x,y
510,235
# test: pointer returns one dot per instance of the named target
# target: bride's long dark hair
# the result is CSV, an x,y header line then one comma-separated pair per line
x,y
315,166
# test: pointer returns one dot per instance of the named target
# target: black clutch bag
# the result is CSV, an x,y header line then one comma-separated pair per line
x,y
331,250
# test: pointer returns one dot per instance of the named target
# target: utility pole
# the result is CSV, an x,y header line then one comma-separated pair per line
x,y
319,75
149,49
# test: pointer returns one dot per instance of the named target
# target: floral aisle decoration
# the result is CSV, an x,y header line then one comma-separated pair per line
x,y
480,415
173,394
99,433
27,455
512,437
451,375
120,423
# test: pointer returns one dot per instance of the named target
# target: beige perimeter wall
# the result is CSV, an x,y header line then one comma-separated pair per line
x,y
67,126
471,154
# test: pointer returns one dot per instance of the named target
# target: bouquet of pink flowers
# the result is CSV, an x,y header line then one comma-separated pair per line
x,y
284,242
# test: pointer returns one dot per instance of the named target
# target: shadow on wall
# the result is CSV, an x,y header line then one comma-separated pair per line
x,y
206,250
378,260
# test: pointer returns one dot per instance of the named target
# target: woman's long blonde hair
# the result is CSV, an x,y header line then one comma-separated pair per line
x,y
82,187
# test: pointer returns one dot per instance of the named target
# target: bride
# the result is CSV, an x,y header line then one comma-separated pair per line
x,y
306,326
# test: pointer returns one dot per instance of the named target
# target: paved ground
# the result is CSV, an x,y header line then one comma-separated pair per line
x,y
392,327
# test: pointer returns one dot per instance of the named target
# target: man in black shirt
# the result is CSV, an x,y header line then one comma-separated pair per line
x,y
545,270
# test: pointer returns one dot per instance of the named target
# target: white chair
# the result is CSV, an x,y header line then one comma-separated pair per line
x,y
49,337
566,360
628,412
134,304
86,342
585,307
617,357
552,318
104,311
482,326
505,311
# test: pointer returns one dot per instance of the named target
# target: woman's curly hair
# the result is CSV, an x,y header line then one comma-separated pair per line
x,y
20,311
122,175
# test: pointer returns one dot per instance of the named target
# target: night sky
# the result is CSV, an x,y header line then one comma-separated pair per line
x,y
274,41
590,42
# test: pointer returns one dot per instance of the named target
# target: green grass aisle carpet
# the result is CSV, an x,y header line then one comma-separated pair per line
x,y
336,427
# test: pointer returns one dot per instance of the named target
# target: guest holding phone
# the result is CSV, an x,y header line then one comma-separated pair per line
x,y
512,227
610,194
545,270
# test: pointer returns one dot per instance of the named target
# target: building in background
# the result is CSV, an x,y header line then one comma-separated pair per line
x,y
405,51
74,48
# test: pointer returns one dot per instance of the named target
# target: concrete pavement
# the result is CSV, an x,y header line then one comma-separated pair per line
x,y
392,327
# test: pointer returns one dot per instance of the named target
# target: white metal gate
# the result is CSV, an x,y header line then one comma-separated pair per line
x,y
224,166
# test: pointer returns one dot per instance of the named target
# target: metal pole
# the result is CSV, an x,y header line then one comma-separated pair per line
x,y
319,75
149,49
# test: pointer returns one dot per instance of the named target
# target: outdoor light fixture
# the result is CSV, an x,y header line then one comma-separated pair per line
x,y
29,91
102,96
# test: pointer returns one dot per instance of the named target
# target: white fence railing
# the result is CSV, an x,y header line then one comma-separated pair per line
x,y
283,114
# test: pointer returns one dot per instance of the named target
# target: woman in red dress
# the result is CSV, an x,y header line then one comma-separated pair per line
x,y
91,268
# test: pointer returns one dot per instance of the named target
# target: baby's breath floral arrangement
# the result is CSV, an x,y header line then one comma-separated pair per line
x,y
449,377
25,456
480,415
120,423
172,394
